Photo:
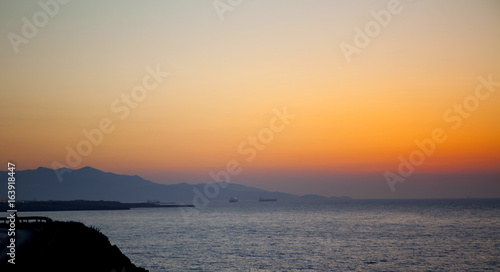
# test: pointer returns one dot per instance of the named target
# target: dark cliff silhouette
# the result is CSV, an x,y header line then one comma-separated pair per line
x,y
67,246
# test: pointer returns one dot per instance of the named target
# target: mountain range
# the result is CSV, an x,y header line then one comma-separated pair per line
x,y
88,183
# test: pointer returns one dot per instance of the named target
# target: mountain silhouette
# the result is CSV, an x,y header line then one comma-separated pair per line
x,y
88,183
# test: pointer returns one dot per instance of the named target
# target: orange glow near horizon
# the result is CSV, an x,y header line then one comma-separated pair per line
x,y
226,78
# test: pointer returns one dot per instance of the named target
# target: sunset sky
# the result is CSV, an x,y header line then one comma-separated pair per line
x,y
229,72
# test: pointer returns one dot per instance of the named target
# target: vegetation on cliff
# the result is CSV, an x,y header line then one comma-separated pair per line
x,y
71,246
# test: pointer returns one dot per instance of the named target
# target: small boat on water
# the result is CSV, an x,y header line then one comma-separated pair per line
x,y
261,199
233,199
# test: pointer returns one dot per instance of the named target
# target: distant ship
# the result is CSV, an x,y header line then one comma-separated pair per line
x,y
233,199
261,199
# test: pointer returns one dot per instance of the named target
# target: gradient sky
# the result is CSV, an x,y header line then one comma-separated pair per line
x,y
353,120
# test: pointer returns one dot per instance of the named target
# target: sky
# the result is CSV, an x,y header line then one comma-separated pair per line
x,y
371,99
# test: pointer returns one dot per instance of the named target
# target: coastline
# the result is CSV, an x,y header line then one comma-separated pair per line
x,y
66,246
82,205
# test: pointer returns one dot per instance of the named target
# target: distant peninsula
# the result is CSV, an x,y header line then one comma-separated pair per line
x,y
83,205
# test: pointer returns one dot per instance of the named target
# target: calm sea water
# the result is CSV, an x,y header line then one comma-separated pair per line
x,y
361,235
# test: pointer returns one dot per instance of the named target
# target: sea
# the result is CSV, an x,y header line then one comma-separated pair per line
x,y
355,235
